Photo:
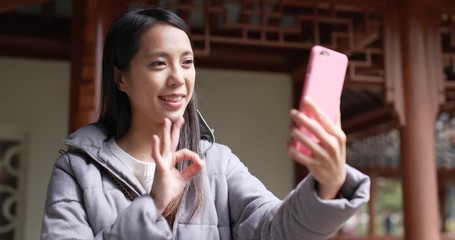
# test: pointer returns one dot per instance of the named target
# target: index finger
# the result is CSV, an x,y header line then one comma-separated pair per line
x,y
338,119
315,111
195,166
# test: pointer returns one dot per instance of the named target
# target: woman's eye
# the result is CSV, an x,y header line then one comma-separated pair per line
x,y
158,64
188,62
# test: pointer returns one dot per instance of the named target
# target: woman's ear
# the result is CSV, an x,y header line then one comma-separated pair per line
x,y
119,78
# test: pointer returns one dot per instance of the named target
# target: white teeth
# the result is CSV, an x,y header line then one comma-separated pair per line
x,y
171,98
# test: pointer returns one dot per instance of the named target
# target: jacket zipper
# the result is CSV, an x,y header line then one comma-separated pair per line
x,y
108,169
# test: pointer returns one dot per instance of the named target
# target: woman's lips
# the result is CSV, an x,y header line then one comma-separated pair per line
x,y
173,101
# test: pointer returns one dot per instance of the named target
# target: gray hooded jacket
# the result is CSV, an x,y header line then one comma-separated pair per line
x,y
84,202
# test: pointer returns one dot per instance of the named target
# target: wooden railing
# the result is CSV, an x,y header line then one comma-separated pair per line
x,y
443,237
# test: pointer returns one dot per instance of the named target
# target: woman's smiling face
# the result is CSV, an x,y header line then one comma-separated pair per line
x,y
160,79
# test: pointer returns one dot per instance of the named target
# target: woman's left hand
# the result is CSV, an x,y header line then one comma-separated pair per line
x,y
328,157
169,182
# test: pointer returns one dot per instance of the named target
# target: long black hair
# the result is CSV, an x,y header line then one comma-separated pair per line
x,y
122,43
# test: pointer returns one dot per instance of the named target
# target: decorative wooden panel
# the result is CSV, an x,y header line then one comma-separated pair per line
x,y
383,148
379,150
9,188
353,29
447,31
448,52
445,141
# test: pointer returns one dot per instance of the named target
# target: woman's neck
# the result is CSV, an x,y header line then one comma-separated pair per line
x,y
137,141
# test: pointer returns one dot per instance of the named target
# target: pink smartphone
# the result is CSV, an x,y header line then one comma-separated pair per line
x,y
324,81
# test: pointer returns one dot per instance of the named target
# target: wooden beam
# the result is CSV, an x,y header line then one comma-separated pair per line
x,y
367,120
26,25
9,5
48,11
446,6
355,3
380,171
35,37
446,173
247,58
34,47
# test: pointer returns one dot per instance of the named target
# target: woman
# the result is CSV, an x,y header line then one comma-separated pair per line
x,y
149,169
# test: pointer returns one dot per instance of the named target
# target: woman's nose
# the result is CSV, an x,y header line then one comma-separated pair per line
x,y
177,77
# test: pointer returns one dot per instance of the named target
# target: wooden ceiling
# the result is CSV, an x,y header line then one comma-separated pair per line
x,y
33,28
42,29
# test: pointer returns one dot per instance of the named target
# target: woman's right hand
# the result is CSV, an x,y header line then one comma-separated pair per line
x,y
169,182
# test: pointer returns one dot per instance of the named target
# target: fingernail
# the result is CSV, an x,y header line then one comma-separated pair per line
x,y
294,112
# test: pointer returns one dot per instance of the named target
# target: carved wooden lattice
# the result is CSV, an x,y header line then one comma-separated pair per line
x,y
381,149
448,52
445,140
354,30
9,176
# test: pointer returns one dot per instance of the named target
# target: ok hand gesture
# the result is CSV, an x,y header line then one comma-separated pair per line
x,y
169,182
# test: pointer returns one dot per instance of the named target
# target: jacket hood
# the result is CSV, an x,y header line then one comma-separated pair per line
x,y
91,137
207,133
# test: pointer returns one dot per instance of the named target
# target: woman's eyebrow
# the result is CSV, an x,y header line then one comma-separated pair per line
x,y
165,54
186,53
156,54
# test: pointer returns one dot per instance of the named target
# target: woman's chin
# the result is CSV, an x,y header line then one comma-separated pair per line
x,y
174,116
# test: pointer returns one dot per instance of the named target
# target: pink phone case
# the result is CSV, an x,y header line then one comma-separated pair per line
x,y
324,81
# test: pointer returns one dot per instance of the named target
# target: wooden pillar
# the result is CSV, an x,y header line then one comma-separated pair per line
x,y
371,207
418,166
442,192
90,22
84,67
